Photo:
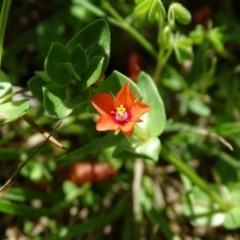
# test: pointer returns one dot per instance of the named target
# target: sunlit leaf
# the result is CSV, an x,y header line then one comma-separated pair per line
x,y
154,121
5,85
11,111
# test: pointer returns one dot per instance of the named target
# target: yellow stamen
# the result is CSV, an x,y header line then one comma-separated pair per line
x,y
121,111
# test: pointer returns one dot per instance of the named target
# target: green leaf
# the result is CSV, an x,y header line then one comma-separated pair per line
x,y
36,84
11,111
55,101
18,194
149,149
157,11
198,107
228,129
94,39
5,85
182,53
155,120
182,48
232,220
197,35
115,81
198,206
142,6
216,36
154,8
93,147
22,210
94,71
173,79
178,12
79,59
57,56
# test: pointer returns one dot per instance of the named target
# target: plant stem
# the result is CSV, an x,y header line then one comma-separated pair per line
x,y
184,169
163,53
3,21
128,28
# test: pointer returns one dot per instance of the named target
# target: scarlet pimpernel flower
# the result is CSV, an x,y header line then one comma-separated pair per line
x,y
118,113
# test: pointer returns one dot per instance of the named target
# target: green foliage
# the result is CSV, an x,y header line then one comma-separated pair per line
x,y
178,12
154,8
10,110
70,70
180,167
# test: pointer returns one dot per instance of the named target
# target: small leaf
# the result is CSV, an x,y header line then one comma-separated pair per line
x,y
11,111
149,149
95,40
154,8
5,85
57,55
17,209
183,53
115,81
197,35
94,71
55,101
232,220
199,207
178,12
157,11
79,59
98,145
142,6
36,84
173,79
155,120
197,106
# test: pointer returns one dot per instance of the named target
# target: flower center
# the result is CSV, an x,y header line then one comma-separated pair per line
x,y
121,114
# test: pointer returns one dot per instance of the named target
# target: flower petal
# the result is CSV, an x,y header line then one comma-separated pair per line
x,y
103,103
127,128
138,110
125,97
105,123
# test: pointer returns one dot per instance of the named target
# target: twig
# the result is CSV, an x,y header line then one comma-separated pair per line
x,y
138,172
9,182
47,135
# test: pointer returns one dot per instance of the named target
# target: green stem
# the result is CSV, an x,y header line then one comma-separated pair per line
x,y
163,53
3,21
184,169
128,28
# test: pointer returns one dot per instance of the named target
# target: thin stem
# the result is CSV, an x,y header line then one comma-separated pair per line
x,y
3,21
45,134
158,68
9,182
128,28
137,181
184,169
163,53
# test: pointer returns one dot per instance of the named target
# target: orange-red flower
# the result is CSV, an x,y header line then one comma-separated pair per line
x,y
120,113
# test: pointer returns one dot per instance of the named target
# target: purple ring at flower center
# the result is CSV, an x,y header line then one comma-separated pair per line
x,y
121,115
